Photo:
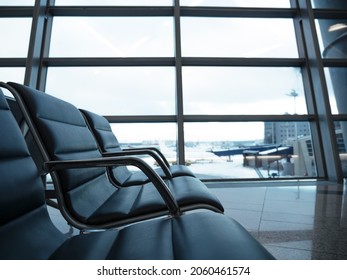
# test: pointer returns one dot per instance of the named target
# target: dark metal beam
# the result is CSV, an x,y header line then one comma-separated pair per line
x,y
12,62
335,62
169,11
16,11
107,61
168,61
232,61
238,12
107,11
211,118
330,14
249,118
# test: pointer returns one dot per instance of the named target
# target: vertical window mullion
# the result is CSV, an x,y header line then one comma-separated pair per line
x,y
179,86
34,58
323,129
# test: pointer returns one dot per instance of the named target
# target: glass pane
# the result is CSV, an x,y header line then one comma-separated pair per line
x,y
332,34
114,2
112,37
238,37
17,2
17,34
12,74
116,90
140,135
237,3
249,150
329,4
341,138
337,84
243,90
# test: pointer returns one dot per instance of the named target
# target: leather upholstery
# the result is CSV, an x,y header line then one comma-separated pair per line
x,y
88,197
108,143
26,231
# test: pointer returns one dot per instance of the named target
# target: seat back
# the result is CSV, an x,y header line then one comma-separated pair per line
x,y
26,231
33,149
102,131
106,140
62,134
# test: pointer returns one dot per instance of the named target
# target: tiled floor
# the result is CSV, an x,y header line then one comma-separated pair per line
x,y
294,221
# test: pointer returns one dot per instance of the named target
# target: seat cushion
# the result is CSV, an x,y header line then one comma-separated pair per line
x,y
136,178
144,200
199,235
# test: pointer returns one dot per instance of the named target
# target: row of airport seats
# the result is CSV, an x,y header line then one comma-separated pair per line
x,y
152,214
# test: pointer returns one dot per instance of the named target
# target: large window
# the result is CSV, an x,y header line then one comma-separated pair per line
x,y
235,89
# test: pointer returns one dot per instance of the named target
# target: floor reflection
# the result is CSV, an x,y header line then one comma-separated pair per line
x,y
294,221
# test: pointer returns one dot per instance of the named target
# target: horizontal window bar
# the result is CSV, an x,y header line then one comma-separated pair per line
x,y
25,11
238,12
12,62
339,117
224,61
110,11
335,62
16,11
329,14
247,118
141,119
167,61
105,61
211,118
169,11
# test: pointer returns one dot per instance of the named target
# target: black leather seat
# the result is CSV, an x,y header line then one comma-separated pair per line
x,y
26,231
86,197
109,146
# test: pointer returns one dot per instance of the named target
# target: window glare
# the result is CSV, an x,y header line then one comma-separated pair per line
x,y
115,90
112,37
238,37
